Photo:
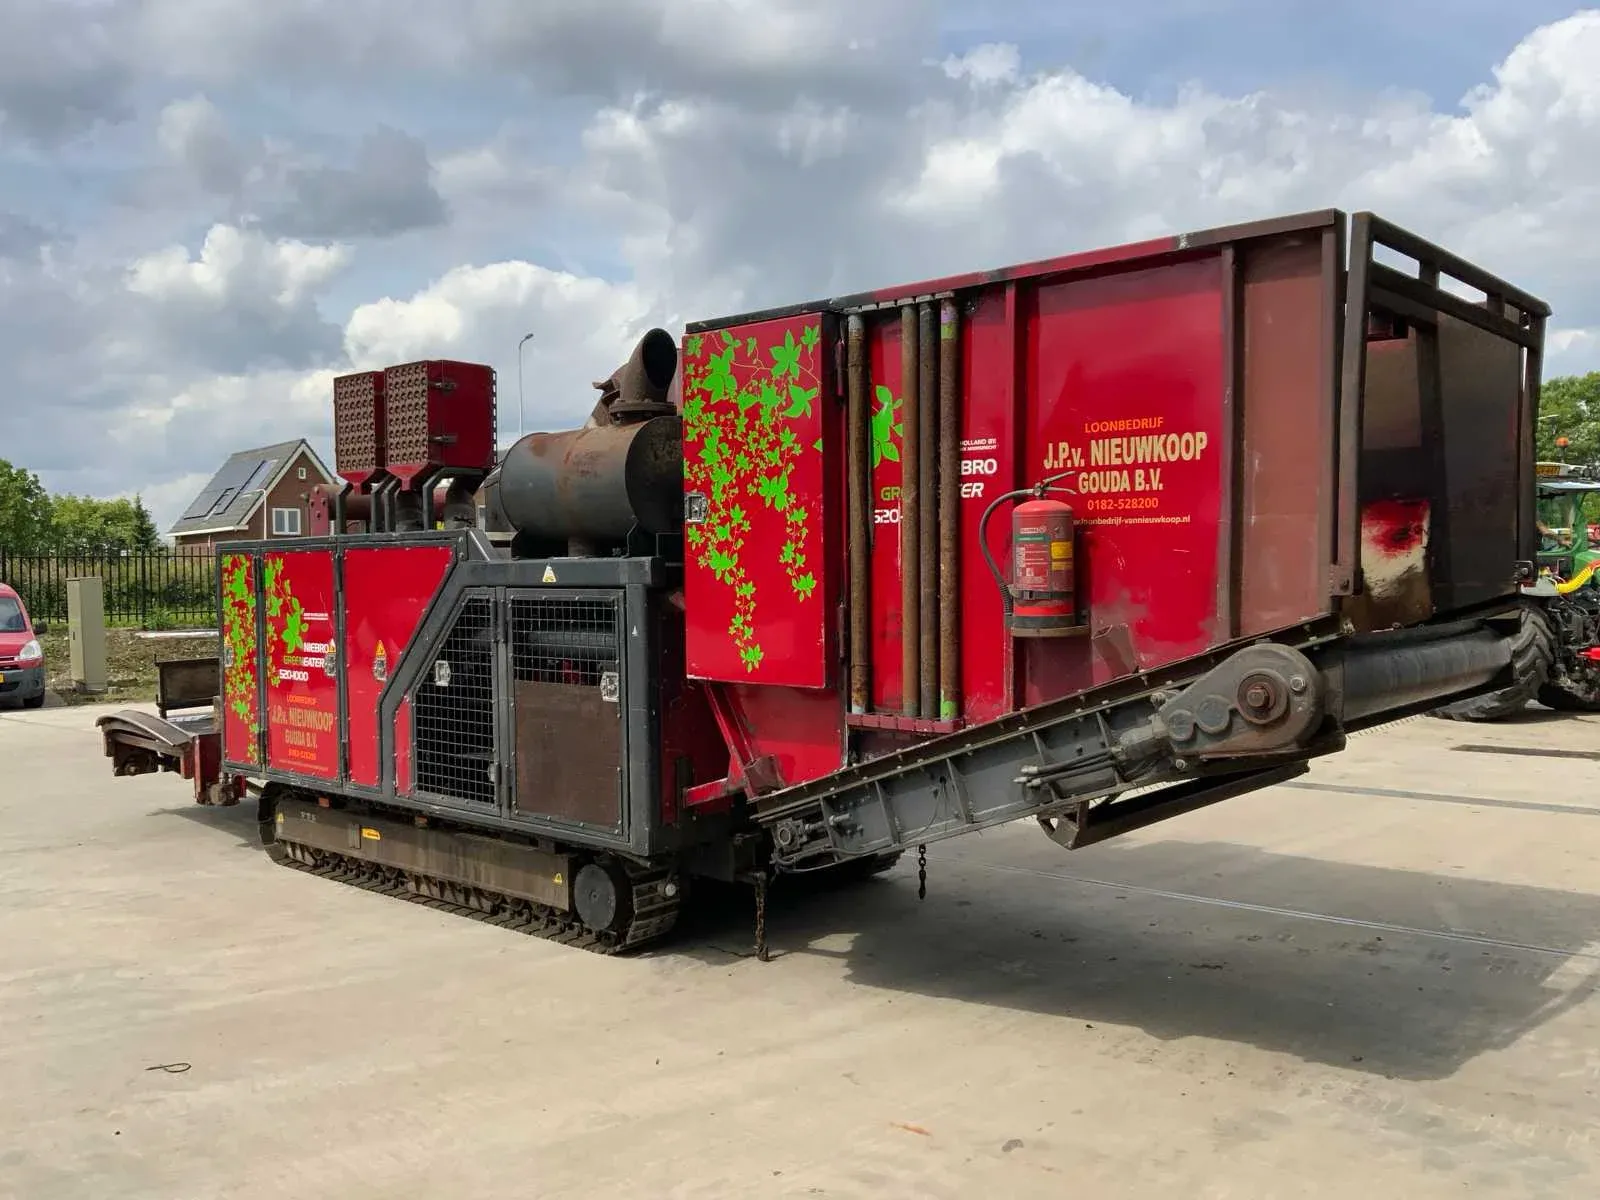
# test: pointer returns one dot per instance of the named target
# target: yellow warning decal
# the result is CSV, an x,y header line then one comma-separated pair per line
x,y
371,834
557,879
278,817
549,575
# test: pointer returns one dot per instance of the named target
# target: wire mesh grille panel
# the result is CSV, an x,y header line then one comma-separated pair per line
x,y
563,639
566,656
454,711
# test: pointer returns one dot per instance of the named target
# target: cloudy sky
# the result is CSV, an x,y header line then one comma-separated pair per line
x,y
210,207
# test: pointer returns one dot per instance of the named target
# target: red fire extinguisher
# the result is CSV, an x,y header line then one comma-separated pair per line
x,y
1042,595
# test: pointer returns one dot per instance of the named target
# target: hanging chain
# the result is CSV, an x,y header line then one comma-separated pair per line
x,y
761,918
922,872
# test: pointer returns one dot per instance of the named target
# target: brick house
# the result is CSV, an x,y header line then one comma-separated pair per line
x,y
261,493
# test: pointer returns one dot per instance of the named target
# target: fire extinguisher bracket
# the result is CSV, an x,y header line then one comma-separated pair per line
x,y
1041,597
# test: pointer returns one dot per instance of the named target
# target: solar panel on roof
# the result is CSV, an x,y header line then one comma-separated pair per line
x,y
259,475
223,500
202,504
233,474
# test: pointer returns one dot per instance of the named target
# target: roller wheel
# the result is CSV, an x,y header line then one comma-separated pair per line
x,y
600,894
1532,656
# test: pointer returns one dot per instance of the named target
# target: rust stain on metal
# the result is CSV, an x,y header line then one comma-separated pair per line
x,y
910,515
858,548
927,401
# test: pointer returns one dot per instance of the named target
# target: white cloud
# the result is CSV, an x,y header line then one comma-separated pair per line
x,y
582,328
706,161
237,265
992,63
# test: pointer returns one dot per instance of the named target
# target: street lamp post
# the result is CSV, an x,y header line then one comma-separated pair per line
x,y
525,339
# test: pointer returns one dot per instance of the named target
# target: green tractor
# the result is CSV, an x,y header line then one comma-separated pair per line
x,y
1556,661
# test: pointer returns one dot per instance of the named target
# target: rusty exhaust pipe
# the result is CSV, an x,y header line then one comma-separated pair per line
x,y
910,533
637,390
949,511
928,492
858,548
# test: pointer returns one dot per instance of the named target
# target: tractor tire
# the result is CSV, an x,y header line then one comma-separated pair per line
x,y
1565,698
1533,654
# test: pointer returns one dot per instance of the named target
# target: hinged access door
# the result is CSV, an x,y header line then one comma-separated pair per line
x,y
567,672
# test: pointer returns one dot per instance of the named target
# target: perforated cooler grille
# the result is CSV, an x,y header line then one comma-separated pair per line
x,y
358,424
406,400
454,711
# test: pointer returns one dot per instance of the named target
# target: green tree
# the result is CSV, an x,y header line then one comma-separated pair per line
x,y
1569,407
87,526
24,511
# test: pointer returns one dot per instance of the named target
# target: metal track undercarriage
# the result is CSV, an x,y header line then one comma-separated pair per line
x,y
643,905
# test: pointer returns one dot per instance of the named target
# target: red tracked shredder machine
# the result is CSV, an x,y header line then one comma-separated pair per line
x,y
1093,541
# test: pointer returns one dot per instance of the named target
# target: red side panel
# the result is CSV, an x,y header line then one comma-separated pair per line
x,y
989,389
886,429
802,731
988,467
387,590
1125,373
302,690
241,662
759,577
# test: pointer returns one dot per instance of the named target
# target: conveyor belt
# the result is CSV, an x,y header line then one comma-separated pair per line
x,y
1243,716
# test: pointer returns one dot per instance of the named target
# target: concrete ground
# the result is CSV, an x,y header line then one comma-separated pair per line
x,y
1379,983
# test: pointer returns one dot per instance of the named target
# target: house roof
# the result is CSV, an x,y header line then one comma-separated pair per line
x,y
240,486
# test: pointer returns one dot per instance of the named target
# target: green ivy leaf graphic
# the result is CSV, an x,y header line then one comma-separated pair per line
x,y
692,346
741,425
884,427
720,382
294,629
775,492
800,401
786,358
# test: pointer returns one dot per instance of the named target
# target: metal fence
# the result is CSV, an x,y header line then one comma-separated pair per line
x,y
173,590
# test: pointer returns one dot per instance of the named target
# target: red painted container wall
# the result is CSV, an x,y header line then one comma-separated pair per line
x,y
758,578
387,591
1186,387
302,692
761,582
1124,374
241,661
